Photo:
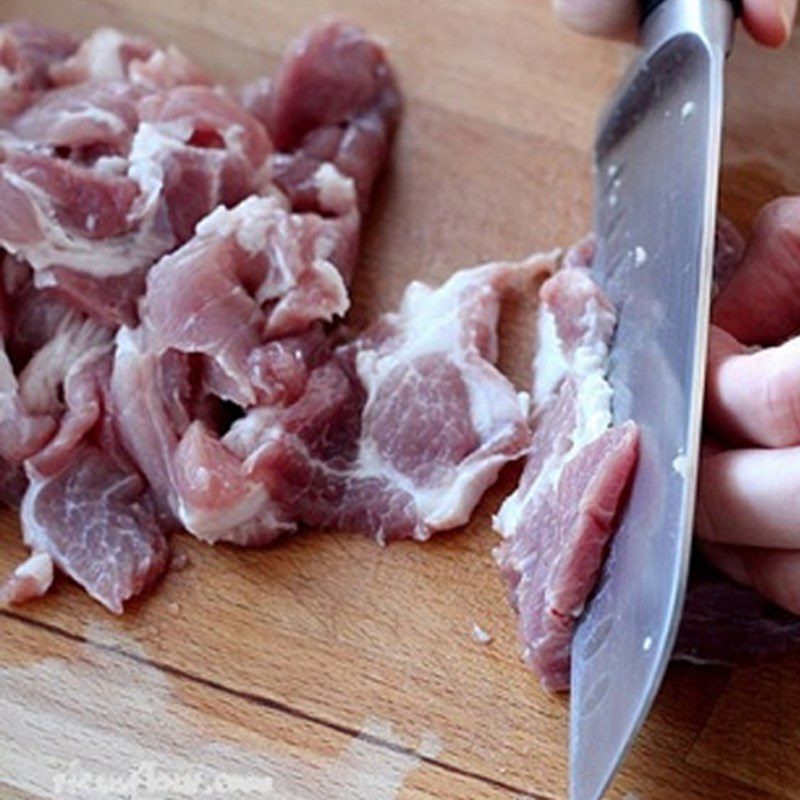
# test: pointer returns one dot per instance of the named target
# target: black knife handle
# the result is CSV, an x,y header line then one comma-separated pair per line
x,y
649,6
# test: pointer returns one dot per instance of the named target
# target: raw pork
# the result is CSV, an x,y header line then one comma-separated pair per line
x,y
401,433
557,524
125,170
86,505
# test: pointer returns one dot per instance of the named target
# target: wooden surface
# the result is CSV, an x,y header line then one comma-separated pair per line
x,y
332,667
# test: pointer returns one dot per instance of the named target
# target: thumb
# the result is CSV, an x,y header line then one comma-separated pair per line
x,y
770,21
615,18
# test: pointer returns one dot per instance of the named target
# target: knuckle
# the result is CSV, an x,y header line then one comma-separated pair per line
x,y
780,403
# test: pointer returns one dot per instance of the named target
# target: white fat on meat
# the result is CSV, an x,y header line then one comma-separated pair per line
x,y
557,524
408,443
103,56
43,375
437,324
586,366
54,244
31,579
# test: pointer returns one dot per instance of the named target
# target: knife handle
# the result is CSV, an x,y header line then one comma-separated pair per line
x,y
648,6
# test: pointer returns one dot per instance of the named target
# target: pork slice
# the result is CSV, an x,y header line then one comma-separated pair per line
x,y
30,580
85,121
22,431
86,506
27,53
202,148
99,234
251,274
104,55
558,523
201,478
113,231
402,432
166,69
333,101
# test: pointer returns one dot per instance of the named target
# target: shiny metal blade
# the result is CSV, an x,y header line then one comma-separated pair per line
x,y
657,161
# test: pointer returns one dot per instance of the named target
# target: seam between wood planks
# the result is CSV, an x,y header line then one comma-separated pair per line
x,y
280,707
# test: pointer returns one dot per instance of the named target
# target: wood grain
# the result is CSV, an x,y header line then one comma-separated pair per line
x,y
296,657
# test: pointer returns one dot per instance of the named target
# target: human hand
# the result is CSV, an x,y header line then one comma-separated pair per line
x,y
748,514
768,21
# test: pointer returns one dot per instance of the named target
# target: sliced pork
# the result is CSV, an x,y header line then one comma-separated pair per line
x,y
86,505
400,435
558,523
30,580
318,114
28,53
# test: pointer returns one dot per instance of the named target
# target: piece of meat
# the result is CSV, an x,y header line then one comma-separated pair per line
x,y
166,69
401,433
105,55
558,523
85,121
202,149
22,431
251,274
86,506
63,219
30,580
334,100
196,479
27,54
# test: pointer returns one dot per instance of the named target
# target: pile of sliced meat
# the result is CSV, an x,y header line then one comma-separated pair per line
x,y
176,256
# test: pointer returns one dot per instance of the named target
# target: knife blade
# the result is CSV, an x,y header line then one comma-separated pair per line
x,y
657,158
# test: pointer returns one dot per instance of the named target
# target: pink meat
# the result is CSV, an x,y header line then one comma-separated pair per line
x,y
165,69
86,506
105,55
251,274
205,149
402,433
86,121
71,221
179,446
30,580
334,100
27,54
558,523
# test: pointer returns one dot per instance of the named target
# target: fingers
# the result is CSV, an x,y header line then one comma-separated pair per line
x,y
614,18
760,304
753,398
773,573
751,498
769,21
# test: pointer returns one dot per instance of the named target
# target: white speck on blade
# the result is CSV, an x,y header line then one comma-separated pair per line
x,y
480,635
680,465
647,643
613,170
612,199
639,255
687,110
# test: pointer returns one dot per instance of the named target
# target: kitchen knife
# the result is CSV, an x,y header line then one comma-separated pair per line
x,y
657,158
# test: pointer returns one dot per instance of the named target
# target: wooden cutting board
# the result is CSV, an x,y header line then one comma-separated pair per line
x,y
326,665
